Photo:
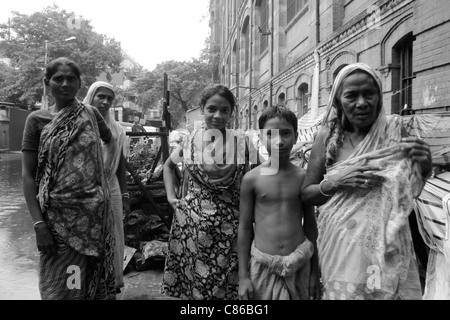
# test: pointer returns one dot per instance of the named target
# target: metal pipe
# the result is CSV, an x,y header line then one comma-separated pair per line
x,y
272,23
44,97
250,66
317,22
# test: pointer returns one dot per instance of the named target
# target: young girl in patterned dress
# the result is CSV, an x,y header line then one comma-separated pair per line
x,y
202,259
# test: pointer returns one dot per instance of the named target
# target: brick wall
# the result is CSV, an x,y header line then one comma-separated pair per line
x,y
431,54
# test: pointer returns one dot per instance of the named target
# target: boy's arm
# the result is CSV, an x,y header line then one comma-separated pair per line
x,y
245,235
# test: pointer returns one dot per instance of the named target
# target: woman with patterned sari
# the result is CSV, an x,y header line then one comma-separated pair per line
x,y
67,193
364,174
101,96
202,261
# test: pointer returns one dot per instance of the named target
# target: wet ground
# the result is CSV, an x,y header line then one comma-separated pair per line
x,y
18,254
143,285
19,257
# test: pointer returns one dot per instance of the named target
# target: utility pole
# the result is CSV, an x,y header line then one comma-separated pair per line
x,y
44,96
9,29
166,113
166,118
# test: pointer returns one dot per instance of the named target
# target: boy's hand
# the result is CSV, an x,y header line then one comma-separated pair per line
x,y
315,290
246,291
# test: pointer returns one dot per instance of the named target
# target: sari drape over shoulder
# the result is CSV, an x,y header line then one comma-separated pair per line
x,y
112,153
365,245
202,259
74,195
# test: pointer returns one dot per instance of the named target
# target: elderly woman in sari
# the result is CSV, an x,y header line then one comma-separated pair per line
x,y
364,174
67,193
101,96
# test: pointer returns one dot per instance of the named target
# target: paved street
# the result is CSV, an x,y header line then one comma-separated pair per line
x,y
143,285
21,282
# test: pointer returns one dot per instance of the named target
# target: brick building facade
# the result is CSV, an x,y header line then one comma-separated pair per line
x,y
289,51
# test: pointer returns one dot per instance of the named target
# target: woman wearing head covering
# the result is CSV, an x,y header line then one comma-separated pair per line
x,y
364,174
67,193
101,96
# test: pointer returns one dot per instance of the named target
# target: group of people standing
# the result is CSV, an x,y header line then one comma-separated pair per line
x,y
244,227
75,187
266,229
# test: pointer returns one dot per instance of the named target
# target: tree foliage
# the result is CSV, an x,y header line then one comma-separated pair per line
x,y
187,79
23,41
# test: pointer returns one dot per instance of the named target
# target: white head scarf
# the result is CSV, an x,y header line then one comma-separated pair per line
x,y
371,140
114,149
342,75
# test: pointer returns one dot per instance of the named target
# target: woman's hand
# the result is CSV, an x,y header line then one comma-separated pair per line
x,y
355,177
126,206
45,241
173,202
418,151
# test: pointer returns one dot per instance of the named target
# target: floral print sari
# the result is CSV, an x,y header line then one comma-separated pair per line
x,y
202,261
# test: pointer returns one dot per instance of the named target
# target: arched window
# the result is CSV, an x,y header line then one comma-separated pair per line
x,y
228,72
265,104
255,117
241,120
402,55
246,119
233,66
281,98
246,44
302,106
263,24
223,75
336,72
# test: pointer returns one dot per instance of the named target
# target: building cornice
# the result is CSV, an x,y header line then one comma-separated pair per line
x,y
361,23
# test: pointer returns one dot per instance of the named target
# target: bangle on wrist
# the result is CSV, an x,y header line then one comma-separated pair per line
x,y
320,188
37,223
126,195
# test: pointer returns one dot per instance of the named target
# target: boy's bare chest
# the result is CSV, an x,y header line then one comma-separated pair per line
x,y
278,189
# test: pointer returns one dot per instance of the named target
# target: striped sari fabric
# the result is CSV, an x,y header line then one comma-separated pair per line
x,y
433,216
74,200
433,205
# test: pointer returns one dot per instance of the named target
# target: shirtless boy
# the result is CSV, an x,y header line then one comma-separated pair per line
x,y
277,232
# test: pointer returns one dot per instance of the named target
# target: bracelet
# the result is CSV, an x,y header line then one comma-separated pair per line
x,y
126,195
320,188
37,223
